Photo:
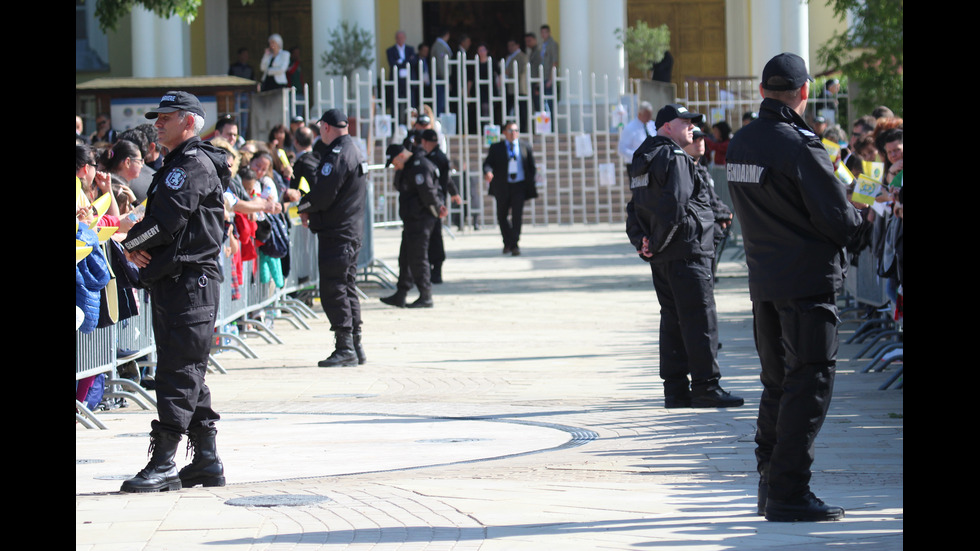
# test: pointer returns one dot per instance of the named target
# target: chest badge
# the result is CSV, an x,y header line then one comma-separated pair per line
x,y
327,169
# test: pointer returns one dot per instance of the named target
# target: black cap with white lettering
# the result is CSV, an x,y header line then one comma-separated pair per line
x,y
177,101
673,111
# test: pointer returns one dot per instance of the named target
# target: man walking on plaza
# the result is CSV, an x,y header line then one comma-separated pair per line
x,y
795,220
176,247
509,169
670,222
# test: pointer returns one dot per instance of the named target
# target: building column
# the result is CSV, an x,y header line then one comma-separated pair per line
x,y
776,27
159,45
575,54
218,55
607,58
327,16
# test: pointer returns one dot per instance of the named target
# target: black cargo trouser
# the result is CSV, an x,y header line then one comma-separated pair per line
x,y
797,343
184,310
688,325
337,263
413,256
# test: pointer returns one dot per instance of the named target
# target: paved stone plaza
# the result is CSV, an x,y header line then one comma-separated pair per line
x,y
523,412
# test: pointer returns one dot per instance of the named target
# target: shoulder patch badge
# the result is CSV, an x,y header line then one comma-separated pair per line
x,y
419,179
175,180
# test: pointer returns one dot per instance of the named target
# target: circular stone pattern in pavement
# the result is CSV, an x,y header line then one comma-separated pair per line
x,y
265,447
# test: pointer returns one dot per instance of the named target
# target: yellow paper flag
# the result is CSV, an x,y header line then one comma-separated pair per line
x,y
873,169
82,250
865,190
294,218
832,149
81,253
283,157
105,232
303,185
844,175
101,205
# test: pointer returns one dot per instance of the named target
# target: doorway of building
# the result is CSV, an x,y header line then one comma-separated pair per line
x,y
492,22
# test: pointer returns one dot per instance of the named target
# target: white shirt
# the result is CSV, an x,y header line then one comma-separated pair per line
x,y
515,166
633,135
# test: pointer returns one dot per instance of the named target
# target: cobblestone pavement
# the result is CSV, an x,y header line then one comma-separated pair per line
x,y
523,412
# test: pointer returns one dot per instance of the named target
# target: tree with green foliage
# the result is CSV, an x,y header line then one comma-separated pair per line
x,y
869,53
644,45
350,48
109,12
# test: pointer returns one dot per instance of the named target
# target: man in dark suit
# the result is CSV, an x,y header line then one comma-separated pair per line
x,y
400,57
510,170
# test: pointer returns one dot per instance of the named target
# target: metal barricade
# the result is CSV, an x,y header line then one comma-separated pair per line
x,y
134,341
95,353
232,306
878,331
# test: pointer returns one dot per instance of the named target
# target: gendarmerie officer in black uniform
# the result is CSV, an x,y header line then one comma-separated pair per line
x,y
334,211
795,220
429,142
176,246
671,224
420,208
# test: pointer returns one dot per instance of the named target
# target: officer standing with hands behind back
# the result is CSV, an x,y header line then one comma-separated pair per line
x,y
795,220
176,247
334,211
670,221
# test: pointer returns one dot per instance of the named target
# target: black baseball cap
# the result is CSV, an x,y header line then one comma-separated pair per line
x,y
424,120
698,133
393,151
335,118
673,111
429,135
177,101
786,71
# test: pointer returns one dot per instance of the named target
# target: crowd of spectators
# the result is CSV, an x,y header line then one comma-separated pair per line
x,y
874,147
113,179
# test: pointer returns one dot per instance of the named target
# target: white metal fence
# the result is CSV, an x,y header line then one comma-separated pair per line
x,y
573,128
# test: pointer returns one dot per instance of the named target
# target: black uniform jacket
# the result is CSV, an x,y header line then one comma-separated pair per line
x,y
793,211
439,158
671,205
306,165
336,201
419,195
184,220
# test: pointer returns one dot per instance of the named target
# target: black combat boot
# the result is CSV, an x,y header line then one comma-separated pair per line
x,y
808,508
397,299
205,468
424,300
160,474
343,354
715,398
359,347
